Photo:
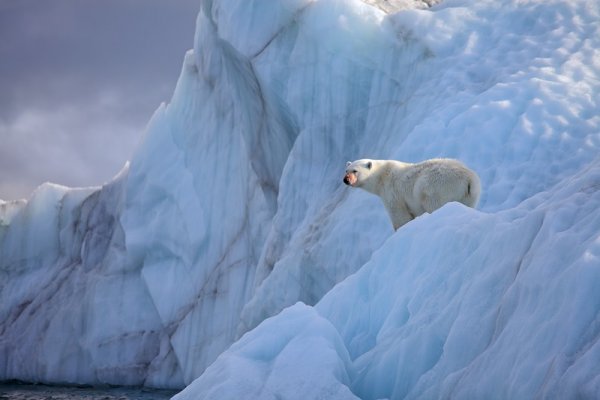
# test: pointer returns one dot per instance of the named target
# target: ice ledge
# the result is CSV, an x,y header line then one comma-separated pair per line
x,y
392,6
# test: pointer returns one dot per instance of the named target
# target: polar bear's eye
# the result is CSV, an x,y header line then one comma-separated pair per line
x,y
354,171
369,165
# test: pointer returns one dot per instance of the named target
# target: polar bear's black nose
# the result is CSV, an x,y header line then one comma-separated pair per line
x,y
346,181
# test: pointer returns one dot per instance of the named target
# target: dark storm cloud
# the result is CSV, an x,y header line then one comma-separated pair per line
x,y
79,81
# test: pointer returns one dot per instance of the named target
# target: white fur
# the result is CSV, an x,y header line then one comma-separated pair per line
x,y
409,190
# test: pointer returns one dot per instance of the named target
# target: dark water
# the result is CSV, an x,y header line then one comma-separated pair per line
x,y
43,392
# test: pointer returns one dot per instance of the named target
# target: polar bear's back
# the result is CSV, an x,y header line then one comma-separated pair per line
x,y
441,180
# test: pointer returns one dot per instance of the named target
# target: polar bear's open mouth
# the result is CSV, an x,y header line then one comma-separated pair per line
x,y
350,179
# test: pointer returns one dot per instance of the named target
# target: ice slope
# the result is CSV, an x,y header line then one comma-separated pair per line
x,y
459,304
232,209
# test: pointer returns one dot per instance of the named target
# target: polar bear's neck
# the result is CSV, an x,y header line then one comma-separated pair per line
x,y
381,175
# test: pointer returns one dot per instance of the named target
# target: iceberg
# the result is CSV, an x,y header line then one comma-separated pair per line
x,y
229,258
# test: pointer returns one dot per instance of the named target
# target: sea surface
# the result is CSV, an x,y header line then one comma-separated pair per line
x,y
17,391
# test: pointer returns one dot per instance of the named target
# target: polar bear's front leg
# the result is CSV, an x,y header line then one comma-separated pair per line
x,y
399,215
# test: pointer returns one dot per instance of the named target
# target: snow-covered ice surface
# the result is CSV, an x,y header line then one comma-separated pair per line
x,y
232,211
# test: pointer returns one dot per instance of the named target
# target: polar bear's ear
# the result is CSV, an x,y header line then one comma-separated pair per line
x,y
348,163
369,165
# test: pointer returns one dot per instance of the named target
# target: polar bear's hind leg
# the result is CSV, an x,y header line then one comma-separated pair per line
x,y
431,200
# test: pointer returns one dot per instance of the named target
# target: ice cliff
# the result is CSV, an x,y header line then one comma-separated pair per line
x,y
232,211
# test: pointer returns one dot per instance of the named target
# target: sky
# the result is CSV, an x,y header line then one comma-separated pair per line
x,y
79,80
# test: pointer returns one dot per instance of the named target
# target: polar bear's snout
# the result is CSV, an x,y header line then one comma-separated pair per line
x,y
350,179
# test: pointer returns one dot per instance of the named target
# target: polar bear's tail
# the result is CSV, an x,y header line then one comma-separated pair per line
x,y
473,190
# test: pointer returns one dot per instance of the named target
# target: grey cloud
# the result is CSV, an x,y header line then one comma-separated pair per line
x,y
79,82
80,145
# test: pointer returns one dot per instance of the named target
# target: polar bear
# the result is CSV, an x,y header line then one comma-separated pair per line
x,y
409,190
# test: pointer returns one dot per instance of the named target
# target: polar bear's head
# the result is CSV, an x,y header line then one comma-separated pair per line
x,y
358,173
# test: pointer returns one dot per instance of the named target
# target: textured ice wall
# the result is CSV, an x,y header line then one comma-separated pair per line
x,y
466,304
69,311
202,193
